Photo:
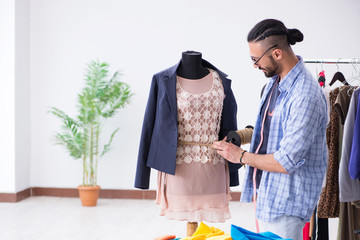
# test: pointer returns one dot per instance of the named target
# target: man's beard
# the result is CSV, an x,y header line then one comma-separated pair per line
x,y
272,70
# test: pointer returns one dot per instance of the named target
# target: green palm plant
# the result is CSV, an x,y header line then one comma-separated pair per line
x,y
99,100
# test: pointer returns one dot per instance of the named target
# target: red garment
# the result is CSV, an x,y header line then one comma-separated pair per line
x,y
166,237
306,235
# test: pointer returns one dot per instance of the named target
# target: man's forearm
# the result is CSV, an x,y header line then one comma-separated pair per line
x,y
232,153
264,162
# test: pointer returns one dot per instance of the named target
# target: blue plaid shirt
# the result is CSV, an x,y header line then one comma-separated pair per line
x,y
297,137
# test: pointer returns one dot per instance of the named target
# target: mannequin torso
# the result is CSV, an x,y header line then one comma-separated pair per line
x,y
191,66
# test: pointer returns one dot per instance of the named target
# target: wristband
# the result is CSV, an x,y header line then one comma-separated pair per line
x,y
241,156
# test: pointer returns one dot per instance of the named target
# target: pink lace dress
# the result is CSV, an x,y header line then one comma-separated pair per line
x,y
199,190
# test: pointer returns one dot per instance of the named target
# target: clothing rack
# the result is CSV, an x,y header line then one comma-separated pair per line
x,y
334,61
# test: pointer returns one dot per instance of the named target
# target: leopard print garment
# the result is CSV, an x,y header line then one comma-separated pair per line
x,y
329,205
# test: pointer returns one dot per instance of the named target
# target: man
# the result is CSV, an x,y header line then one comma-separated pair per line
x,y
289,141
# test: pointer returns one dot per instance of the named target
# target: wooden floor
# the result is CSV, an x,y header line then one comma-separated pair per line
x,y
53,218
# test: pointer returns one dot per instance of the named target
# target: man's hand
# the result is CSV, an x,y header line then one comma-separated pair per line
x,y
227,150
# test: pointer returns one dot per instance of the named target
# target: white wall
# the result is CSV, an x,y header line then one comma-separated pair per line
x,y
144,37
14,95
7,96
22,94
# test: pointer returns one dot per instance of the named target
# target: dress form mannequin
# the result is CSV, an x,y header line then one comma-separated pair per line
x,y
191,67
183,118
198,189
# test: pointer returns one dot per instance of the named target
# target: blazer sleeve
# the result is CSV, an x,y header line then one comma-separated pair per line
x,y
228,118
142,177
229,123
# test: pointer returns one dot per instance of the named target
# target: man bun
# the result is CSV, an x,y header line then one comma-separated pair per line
x,y
294,36
273,27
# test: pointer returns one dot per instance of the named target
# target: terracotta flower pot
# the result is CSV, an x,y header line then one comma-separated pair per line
x,y
89,195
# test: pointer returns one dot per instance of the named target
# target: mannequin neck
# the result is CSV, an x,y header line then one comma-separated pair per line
x,y
191,66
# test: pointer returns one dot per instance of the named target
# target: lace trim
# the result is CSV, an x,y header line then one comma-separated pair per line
x,y
199,117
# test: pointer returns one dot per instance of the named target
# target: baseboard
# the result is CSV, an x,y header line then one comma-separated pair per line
x,y
54,192
128,194
15,197
104,193
73,192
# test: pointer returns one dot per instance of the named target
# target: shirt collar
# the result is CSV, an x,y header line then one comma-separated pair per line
x,y
289,79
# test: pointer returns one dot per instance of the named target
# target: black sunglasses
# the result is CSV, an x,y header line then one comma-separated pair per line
x,y
256,61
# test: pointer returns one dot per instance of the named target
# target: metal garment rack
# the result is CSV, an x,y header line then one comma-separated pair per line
x,y
334,61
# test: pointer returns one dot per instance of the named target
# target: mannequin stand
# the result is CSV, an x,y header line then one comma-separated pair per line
x,y
191,228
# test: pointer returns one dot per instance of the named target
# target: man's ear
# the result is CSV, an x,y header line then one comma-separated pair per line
x,y
277,54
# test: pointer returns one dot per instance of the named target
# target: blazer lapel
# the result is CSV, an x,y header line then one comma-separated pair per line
x,y
170,86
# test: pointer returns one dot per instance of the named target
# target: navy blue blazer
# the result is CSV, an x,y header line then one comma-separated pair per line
x,y
159,136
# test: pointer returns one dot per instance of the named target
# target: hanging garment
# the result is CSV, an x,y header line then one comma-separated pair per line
x,y
159,134
354,162
199,190
327,91
349,189
306,231
320,228
349,221
329,206
342,102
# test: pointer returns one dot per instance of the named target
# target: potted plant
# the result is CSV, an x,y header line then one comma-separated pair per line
x,y
99,100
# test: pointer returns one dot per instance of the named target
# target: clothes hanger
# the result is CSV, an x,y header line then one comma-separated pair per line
x,y
338,77
354,78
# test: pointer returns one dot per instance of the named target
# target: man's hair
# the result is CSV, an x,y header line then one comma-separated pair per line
x,y
272,27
